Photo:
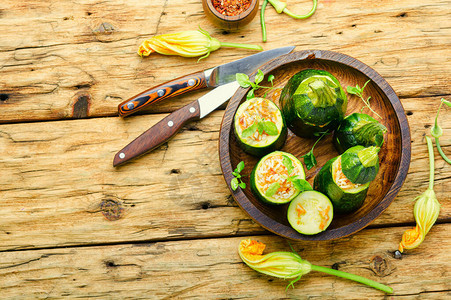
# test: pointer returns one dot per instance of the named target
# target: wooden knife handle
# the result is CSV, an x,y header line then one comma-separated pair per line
x,y
172,88
158,134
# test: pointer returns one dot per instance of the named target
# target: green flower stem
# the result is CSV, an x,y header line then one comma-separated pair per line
x,y
437,143
431,162
353,277
312,11
262,20
242,46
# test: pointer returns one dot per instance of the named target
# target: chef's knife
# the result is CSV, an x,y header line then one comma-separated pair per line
x,y
209,78
166,128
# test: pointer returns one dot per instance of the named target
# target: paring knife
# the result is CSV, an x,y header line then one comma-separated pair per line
x,y
166,128
213,77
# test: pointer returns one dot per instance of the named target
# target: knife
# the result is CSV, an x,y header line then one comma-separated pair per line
x,y
213,77
170,125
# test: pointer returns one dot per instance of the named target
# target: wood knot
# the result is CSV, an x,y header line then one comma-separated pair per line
x,y
105,28
112,210
82,102
380,266
4,97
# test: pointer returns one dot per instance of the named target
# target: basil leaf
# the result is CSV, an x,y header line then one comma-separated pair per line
x,y
259,76
249,131
243,80
272,189
234,184
287,163
270,78
250,94
261,127
240,166
242,185
309,160
270,128
302,185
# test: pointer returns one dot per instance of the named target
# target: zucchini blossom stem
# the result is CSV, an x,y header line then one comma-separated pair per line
x,y
437,132
262,20
282,7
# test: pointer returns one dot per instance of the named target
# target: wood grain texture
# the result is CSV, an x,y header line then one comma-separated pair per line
x,y
67,47
57,175
394,156
212,269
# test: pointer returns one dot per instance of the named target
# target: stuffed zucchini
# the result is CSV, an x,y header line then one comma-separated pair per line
x,y
358,129
310,212
345,179
259,127
271,179
313,102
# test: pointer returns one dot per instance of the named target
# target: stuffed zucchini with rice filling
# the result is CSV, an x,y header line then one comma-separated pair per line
x,y
259,127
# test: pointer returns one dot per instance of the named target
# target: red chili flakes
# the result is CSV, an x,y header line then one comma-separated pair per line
x,y
231,7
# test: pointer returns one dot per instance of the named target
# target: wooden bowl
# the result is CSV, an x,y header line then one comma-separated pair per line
x,y
394,155
230,22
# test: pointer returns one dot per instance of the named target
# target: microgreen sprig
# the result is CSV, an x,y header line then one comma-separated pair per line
x,y
437,131
300,184
245,82
309,157
359,92
236,180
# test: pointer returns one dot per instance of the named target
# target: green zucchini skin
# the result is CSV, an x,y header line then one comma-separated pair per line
x,y
260,151
356,170
358,129
297,102
253,180
342,201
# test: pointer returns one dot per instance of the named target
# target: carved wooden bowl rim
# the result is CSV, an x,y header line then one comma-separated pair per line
x,y
329,234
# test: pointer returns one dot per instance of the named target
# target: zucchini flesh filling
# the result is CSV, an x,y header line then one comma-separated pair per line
x,y
258,109
341,180
272,171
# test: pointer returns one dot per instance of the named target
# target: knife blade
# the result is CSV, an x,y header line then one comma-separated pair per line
x,y
171,124
213,77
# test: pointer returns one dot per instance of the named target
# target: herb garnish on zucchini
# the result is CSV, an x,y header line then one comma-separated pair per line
x,y
259,126
277,178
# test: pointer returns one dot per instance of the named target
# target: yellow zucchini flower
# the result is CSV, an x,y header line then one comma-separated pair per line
x,y
426,210
187,44
290,265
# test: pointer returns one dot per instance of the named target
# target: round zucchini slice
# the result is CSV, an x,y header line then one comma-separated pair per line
x,y
310,212
345,196
358,129
313,102
270,178
259,127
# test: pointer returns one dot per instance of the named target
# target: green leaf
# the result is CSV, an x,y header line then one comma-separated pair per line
x,y
309,160
243,80
259,76
250,94
235,173
271,78
250,130
302,185
363,87
270,128
260,127
287,163
352,90
242,185
240,166
234,184
272,189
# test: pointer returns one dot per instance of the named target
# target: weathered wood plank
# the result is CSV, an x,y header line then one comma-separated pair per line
x,y
58,186
211,268
83,63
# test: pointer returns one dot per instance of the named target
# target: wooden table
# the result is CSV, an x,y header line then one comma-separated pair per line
x,y
165,226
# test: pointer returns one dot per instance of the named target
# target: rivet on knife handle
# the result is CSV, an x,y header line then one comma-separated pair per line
x,y
158,134
172,88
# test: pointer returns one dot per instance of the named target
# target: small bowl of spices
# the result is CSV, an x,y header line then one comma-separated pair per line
x,y
230,14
